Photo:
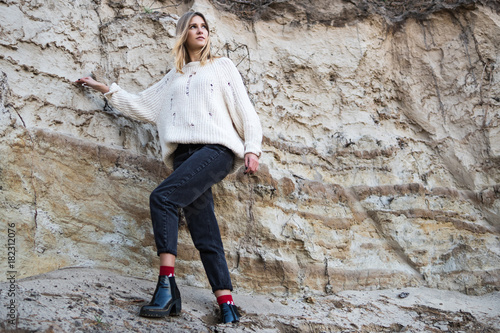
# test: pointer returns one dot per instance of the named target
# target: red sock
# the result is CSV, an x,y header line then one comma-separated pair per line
x,y
167,270
225,299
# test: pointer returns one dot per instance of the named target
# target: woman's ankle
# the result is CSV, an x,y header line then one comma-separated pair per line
x,y
225,299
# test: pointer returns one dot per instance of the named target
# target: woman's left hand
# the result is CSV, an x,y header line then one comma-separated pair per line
x,y
251,163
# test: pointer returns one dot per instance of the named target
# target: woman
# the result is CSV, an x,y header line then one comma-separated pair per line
x,y
207,128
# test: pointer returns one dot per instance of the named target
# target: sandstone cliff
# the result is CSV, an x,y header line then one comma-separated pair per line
x,y
381,150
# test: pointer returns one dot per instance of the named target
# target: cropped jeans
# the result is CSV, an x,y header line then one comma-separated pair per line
x,y
196,168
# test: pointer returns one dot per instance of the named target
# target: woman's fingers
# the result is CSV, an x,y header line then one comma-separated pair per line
x,y
251,163
81,80
90,82
86,81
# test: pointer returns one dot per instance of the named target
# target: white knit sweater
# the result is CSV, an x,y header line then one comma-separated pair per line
x,y
207,105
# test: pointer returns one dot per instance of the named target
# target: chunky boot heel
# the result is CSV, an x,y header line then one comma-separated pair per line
x,y
176,308
229,313
166,299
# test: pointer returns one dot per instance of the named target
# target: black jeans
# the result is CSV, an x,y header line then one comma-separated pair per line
x,y
196,169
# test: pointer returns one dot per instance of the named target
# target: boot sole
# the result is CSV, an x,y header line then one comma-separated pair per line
x,y
158,314
172,311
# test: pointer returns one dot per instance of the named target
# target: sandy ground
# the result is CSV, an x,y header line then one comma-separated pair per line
x,y
93,300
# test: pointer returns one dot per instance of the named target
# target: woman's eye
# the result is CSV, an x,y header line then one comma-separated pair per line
x,y
194,27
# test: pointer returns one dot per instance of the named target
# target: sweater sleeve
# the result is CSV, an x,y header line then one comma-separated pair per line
x,y
243,114
144,106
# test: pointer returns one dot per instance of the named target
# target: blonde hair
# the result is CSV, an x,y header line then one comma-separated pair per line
x,y
180,50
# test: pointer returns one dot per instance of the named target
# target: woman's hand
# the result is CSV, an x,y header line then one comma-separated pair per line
x,y
90,82
251,163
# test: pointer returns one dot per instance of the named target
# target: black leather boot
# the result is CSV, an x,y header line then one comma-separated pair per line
x,y
229,313
166,299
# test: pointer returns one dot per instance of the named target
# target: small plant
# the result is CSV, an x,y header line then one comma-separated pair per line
x,y
100,321
148,9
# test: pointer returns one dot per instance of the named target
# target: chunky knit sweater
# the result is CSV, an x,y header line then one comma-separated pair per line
x,y
206,105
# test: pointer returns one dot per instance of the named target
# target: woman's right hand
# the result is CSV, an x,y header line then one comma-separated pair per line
x,y
90,82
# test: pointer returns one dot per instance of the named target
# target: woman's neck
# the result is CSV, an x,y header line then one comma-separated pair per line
x,y
194,56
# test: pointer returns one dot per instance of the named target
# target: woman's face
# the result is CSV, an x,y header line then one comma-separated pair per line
x,y
197,34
